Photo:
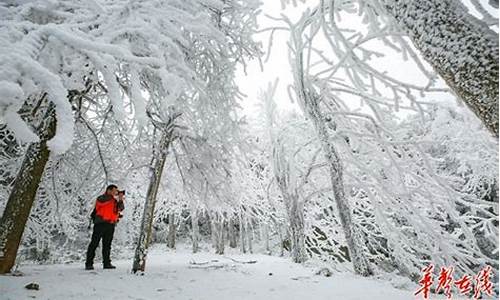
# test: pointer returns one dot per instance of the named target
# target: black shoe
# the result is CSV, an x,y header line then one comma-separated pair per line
x,y
110,266
89,267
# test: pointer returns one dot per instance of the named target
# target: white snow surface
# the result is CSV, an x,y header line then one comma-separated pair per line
x,y
171,275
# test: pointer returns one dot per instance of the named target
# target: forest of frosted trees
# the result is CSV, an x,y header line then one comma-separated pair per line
x,y
372,170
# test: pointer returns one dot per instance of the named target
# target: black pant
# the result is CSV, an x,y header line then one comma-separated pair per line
x,y
104,231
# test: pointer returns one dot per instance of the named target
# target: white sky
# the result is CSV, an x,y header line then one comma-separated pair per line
x,y
279,67
276,67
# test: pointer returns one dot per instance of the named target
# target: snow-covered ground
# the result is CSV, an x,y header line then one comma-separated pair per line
x,y
182,275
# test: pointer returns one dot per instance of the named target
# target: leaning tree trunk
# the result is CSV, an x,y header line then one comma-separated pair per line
x,y
460,48
354,239
149,206
171,231
23,192
310,101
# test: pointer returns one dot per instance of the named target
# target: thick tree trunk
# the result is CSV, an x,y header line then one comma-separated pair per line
x,y
295,212
460,48
293,206
171,231
149,206
195,230
296,215
23,193
218,231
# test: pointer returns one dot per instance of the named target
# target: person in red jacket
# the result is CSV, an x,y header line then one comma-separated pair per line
x,y
106,214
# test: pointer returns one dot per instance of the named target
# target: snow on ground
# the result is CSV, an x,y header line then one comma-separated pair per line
x,y
172,275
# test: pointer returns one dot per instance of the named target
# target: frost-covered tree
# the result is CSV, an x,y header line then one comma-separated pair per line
x,y
288,181
310,102
354,107
460,48
301,183
54,50
206,112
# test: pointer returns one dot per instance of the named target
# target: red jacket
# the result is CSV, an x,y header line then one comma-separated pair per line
x,y
107,209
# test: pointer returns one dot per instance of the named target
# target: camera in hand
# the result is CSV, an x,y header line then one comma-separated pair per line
x,y
121,192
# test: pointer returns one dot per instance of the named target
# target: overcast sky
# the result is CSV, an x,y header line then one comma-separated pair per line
x,y
277,65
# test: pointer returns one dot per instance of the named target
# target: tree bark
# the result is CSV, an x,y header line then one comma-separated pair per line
x,y
171,231
232,233
294,207
157,165
24,191
282,240
249,235
266,238
296,213
195,230
218,231
243,248
354,239
460,48
311,102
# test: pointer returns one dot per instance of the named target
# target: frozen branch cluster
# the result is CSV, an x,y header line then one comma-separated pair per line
x,y
374,171
402,198
55,47
124,72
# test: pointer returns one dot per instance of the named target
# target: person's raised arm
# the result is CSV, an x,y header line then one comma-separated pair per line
x,y
120,203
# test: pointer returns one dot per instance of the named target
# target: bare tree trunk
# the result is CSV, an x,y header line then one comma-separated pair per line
x,y
296,214
212,230
196,230
232,233
249,233
218,231
266,238
460,48
171,231
354,239
149,206
24,189
311,101
282,240
293,206
243,248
